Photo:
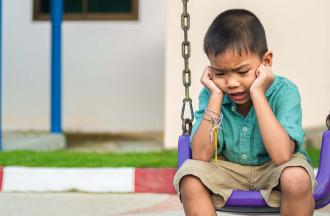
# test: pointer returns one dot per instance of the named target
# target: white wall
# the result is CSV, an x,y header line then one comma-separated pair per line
x,y
112,71
298,33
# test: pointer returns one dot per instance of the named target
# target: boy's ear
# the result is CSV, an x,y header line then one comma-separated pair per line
x,y
268,58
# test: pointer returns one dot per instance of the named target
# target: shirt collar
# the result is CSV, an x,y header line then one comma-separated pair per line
x,y
269,91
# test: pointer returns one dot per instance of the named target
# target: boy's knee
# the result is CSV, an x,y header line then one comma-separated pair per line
x,y
295,181
190,184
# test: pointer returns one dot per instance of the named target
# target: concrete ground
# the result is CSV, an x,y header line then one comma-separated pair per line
x,y
96,204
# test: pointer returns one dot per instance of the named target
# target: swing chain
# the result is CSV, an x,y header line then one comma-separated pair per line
x,y
186,74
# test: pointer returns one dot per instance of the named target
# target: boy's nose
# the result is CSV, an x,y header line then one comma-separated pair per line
x,y
232,83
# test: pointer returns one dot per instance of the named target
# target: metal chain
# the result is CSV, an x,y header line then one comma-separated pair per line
x,y
186,75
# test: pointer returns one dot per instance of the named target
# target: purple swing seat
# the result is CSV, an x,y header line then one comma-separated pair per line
x,y
240,200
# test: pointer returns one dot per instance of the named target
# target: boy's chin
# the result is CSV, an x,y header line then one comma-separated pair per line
x,y
240,102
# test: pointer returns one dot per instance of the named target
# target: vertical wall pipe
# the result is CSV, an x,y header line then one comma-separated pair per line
x,y
56,8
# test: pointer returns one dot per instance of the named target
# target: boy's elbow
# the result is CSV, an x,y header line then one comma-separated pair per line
x,y
198,153
202,156
281,160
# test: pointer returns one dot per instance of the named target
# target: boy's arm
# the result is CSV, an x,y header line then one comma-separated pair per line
x,y
278,144
202,148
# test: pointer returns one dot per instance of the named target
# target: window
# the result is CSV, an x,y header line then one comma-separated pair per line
x,y
89,9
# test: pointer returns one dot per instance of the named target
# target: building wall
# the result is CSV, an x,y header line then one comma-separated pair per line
x,y
112,71
298,34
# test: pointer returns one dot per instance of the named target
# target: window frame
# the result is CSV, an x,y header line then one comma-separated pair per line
x,y
86,16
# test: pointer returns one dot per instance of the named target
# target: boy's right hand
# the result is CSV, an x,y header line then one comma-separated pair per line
x,y
207,81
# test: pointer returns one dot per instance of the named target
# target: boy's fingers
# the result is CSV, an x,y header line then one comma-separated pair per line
x,y
269,69
207,71
211,75
263,69
258,70
207,74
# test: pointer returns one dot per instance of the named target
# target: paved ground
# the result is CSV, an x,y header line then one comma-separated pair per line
x,y
92,204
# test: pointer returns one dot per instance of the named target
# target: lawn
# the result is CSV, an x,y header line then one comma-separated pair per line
x,y
81,159
166,158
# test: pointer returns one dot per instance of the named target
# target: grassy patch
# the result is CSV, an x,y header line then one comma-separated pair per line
x,y
166,158
78,159
314,155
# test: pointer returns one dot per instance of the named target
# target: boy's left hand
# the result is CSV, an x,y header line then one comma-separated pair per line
x,y
265,78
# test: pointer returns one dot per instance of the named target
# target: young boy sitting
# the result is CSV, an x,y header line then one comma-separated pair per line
x,y
259,144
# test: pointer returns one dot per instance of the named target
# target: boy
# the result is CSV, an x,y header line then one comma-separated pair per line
x,y
260,137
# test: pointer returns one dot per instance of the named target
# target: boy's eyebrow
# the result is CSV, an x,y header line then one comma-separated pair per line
x,y
234,69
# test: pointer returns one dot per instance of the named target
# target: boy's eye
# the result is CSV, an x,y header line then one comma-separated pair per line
x,y
243,72
219,74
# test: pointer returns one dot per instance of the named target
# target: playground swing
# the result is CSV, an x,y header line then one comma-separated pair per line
x,y
245,201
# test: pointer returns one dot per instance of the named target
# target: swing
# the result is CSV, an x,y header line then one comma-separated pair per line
x,y
245,201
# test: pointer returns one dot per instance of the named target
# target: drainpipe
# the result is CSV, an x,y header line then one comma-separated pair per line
x,y
56,8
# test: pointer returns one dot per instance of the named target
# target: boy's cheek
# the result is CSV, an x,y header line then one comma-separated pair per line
x,y
221,86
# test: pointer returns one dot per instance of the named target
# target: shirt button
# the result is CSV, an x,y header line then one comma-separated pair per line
x,y
244,129
244,156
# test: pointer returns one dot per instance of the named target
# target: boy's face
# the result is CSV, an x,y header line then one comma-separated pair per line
x,y
233,74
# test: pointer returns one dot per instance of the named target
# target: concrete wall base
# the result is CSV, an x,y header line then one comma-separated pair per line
x,y
37,141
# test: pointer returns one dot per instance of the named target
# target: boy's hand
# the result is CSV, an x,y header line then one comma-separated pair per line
x,y
207,81
265,78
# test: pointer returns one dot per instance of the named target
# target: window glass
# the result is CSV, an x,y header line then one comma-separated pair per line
x,y
110,6
44,6
73,6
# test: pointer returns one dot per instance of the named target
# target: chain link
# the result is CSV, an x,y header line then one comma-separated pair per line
x,y
186,73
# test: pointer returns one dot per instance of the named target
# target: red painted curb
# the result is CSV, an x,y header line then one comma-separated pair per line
x,y
154,180
1,178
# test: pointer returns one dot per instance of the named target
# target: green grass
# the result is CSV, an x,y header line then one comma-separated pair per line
x,y
78,159
166,158
314,155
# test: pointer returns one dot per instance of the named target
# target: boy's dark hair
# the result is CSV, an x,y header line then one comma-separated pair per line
x,y
236,29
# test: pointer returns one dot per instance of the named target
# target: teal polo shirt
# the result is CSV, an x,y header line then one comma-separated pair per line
x,y
240,140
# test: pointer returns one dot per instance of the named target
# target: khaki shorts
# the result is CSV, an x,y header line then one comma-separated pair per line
x,y
222,177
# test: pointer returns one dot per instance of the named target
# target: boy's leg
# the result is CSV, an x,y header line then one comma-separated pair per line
x,y
196,198
296,189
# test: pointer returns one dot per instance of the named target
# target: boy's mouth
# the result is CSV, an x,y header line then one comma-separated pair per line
x,y
237,96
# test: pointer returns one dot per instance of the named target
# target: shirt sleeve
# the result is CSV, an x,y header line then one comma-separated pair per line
x,y
203,99
289,114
